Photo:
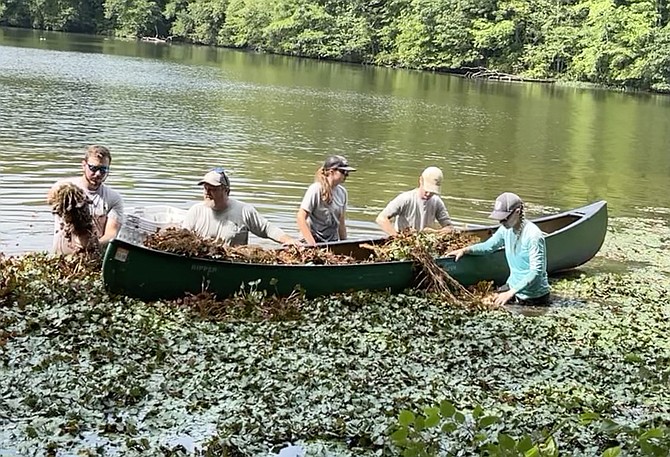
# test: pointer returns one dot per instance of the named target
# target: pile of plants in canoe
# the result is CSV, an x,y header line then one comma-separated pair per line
x,y
401,247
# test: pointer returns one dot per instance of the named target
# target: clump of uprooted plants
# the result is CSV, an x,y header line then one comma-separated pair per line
x,y
422,248
71,204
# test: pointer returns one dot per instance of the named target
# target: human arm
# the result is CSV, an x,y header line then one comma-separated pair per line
x,y
494,242
261,227
386,225
386,216
442,215
114,219
342,226
303,226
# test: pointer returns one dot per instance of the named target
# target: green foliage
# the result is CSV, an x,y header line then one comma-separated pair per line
x,y
347,375
619,43
136,18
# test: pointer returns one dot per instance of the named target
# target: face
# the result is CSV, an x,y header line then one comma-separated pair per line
x,y
423,193
511,220
96,171
215,196
338,176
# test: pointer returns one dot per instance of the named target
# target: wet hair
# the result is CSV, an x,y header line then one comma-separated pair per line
x,y
321,177
99,152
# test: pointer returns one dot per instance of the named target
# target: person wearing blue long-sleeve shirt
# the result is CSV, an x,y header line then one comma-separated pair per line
x,y
525,251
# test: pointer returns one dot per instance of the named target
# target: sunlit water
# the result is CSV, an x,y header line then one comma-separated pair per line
x,y
171,112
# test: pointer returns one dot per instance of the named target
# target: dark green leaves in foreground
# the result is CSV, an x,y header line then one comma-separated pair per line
x,y
349,375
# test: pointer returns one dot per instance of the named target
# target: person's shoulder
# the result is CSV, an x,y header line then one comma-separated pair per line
x,y
196,207
532,230
237,205
110,192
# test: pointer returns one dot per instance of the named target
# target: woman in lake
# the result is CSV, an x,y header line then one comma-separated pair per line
x,y
323,208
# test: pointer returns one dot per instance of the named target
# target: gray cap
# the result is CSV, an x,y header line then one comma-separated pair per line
x,y
215,177
504,205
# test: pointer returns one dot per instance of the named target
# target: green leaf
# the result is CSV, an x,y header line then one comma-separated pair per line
x,y
506,441
612,452
449,427
459,417
652,433
609,426
406,418
532,452
419,424
432,420
588,417
399,437
477,412
447,409
487,421
524,444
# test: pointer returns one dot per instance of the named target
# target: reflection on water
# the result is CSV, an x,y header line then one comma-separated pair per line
x,y
171,112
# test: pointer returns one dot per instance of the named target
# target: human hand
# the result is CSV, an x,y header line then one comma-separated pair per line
x,y
457,254
292,242
504,297
429,230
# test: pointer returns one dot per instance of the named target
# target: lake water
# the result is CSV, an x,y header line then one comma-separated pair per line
x,y
170,112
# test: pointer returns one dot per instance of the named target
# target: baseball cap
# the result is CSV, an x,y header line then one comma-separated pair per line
x,y
432,180
337,162
215,177
504,205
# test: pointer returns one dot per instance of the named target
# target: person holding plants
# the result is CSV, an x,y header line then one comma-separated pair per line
x,y
525,251
105,205
321,217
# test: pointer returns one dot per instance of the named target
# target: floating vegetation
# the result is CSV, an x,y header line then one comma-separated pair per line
x,y
248,304
83,373
70,203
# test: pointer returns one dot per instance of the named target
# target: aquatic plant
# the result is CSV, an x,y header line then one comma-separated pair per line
x,y
85,372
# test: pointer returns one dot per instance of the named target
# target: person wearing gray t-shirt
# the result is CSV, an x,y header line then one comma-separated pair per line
x,y
321,217
417,208
220,217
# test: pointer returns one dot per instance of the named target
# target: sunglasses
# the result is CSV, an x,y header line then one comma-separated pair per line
x,y
502,221
104,169
344,172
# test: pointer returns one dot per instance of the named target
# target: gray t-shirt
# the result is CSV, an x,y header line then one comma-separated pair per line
x,y
232,225
410,210
105,203
324,219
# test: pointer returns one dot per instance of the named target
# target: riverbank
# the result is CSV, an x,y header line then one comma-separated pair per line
x,y
81,370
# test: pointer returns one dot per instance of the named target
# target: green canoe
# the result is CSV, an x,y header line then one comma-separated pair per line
x,y
129,268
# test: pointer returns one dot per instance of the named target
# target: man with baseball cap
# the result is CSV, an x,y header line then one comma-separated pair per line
x,y
525,251
417,208
221,217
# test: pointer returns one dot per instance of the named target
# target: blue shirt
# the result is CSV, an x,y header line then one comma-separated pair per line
x,y
526,255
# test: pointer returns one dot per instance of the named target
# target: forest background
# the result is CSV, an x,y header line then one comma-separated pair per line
x,y
616,43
